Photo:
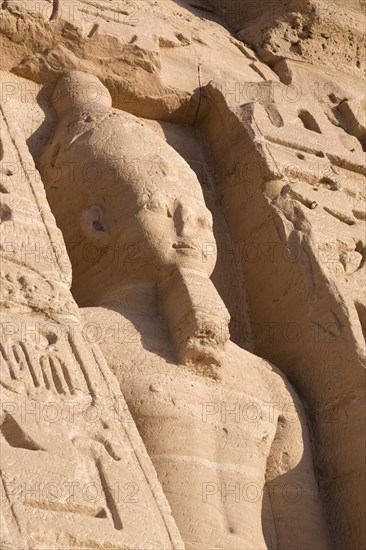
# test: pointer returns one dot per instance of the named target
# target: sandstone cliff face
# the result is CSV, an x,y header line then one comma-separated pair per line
x,y
265,104
320,33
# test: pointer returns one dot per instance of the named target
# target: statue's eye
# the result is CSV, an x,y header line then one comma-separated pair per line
x,y
156,206
160,207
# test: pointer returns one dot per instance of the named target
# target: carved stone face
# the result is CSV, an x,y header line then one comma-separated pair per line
x,y
164,228
178,229
129,188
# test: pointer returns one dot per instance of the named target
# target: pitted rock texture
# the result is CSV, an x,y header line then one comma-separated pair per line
x,y
325,33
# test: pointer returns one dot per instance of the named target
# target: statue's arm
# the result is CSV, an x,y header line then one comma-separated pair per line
x,y
297,510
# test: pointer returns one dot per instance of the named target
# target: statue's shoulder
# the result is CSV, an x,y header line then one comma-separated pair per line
x,y
246,369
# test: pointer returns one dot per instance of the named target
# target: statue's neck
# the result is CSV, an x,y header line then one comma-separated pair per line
x,y
138,297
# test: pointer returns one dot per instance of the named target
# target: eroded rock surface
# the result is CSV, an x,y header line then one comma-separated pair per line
x,y
250,115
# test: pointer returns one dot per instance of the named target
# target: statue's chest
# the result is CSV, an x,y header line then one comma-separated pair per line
x,y
179,412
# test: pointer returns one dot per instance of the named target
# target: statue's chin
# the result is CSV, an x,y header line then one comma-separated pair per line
x,y
200,351
194,259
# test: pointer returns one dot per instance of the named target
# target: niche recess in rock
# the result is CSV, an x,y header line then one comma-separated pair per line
x,y
309,121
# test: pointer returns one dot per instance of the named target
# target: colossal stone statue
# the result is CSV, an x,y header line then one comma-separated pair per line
x,y
153,218
225,430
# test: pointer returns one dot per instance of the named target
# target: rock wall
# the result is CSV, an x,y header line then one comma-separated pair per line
x,y
264,105
321,33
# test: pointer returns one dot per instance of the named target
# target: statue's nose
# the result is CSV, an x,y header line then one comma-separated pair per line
x,y
188,220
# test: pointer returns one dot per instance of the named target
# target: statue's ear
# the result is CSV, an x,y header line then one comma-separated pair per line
x,y
94,226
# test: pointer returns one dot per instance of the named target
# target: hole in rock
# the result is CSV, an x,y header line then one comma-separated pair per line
x,y
361,249
101,514
5,213
51,337
274,116
296,48
16,437
329,183
333,98
309,121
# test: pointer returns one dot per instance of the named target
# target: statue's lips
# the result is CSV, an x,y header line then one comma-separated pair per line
x,y
185,246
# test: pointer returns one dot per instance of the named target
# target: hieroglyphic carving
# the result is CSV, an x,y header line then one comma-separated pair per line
x,y
297,178
74,469
68,435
